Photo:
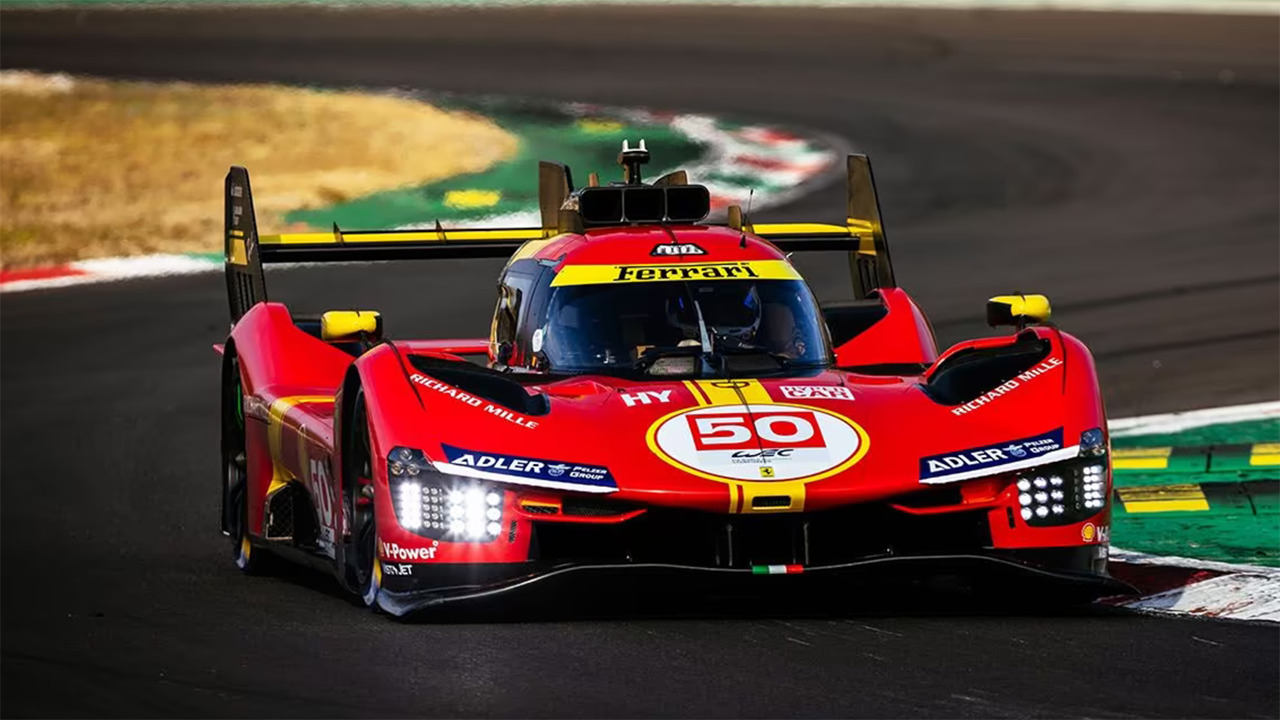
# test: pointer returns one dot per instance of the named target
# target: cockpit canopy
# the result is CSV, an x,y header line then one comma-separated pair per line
x,y
690,328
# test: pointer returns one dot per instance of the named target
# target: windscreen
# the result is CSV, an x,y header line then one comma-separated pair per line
x,y
701,328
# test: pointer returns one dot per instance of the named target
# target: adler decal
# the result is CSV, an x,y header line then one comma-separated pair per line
x,y
1008,455
758,443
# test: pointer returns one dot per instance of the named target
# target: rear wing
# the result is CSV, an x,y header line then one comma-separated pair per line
x,y
246,252
861,236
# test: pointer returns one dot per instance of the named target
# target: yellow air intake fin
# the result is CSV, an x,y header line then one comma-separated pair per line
x,y
337,325
1018,310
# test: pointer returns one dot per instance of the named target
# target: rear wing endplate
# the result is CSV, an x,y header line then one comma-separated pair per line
x,y
862,235
246,252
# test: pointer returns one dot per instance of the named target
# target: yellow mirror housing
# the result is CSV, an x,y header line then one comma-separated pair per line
x,y
1018,310
348,324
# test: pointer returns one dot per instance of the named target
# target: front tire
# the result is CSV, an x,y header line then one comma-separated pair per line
x,y
235,482
362,569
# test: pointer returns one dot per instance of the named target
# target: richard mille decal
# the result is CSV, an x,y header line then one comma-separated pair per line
x,y
761,443
1013,384
475,402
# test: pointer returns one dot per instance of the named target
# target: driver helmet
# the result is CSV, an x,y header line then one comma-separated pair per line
x,y
729,311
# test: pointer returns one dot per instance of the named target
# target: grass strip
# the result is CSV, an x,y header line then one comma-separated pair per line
x,y
97,168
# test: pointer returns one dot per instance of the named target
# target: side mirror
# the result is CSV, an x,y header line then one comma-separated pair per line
x,y
337,325
504,352
1018,310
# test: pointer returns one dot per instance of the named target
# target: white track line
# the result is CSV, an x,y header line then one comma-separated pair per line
x,y
1179,421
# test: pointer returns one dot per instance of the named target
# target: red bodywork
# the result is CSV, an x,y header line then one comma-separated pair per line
x,y
865,435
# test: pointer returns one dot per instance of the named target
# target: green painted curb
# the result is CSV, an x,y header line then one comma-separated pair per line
x,y
1250,431
1236,458
584,143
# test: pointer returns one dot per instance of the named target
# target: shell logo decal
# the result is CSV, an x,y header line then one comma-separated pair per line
x,y
758,443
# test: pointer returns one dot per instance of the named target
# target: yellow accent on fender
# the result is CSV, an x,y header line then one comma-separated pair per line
x,y
339,324
1141,458
239,256
668,272
275,434
1163,498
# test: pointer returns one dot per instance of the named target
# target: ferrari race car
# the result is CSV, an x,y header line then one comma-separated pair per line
x,y
656,394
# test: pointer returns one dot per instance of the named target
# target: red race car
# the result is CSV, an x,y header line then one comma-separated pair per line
x,y
656,395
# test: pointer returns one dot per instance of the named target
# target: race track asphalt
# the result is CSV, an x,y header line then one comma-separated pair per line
x,y
1127,165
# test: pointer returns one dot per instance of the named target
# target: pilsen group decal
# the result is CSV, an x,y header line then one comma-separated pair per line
x,y
1013,384
529,471
672,272
1021,453
760,443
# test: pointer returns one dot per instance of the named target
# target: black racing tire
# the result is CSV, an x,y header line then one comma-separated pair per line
x,y
362,569
235,479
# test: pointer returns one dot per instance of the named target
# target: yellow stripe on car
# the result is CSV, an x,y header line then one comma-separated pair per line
x,y
671,272
275,433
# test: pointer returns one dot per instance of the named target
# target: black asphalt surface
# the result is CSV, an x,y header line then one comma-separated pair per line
x,y
1127,165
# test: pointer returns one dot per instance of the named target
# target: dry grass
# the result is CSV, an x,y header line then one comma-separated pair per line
x,y
94,168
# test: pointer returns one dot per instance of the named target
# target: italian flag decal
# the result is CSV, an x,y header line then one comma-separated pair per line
x,y
776,569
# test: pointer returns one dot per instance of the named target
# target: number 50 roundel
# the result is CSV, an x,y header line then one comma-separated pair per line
x,y
736,442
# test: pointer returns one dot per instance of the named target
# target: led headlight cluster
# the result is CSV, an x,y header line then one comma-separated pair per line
x,y
436,506
1094,486
1041,496
1063,493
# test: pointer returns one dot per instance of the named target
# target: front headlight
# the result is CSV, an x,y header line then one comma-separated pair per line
x,y
439,506
1063,493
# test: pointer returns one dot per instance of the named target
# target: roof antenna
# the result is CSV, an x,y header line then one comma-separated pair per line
x,y
631,159
440,230
337,234
746,220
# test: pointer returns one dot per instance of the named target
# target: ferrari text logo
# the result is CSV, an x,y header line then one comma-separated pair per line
x,y
675,272
713,271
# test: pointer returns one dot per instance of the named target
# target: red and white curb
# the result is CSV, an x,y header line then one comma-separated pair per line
x,y
1183,586
84,272
762,165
